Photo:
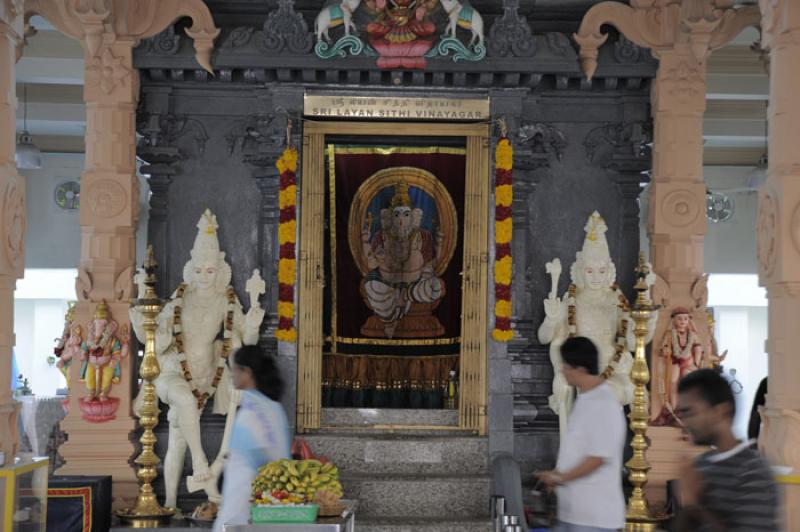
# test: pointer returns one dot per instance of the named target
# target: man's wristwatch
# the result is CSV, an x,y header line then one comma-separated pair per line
x,y
559,480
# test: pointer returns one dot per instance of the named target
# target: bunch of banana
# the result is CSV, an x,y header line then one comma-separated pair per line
x,y
296,478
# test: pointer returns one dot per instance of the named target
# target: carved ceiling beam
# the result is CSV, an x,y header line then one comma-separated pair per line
x,y
664,25
94,22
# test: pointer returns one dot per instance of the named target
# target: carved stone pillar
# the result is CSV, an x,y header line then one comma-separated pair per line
x,y
108,217
681,36
12,210
109,210
269,131
779,245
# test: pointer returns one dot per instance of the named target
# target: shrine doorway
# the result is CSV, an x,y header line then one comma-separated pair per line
x,y
372,192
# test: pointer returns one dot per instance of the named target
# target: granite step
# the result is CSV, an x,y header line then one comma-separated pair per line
x,y
422,454
437,497
372,417
415,524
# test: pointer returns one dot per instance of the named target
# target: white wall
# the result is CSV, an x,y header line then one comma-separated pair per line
x,y
53,239
40,303
730,247
740,308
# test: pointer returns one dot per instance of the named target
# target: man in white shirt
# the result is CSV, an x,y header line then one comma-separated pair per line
x,y
588,474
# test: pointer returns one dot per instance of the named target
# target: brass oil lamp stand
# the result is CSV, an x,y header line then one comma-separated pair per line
x,y
638,517
147,513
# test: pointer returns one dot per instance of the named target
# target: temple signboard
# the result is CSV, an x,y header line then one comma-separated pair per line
x,y
397,108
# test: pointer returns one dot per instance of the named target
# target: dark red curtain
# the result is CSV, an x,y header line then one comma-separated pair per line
x,y
351,170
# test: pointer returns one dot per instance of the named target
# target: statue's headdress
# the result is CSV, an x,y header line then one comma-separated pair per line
x,y
679,310
101,312
206,243
206,248
401,197
595,248
595,245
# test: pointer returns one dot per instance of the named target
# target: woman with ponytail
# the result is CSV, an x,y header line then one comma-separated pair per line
x,y
260,431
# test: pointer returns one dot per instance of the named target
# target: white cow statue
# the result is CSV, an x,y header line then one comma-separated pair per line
x,y
336,15
464,16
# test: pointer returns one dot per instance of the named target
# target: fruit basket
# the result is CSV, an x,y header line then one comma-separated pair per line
x,y
271,513
295,491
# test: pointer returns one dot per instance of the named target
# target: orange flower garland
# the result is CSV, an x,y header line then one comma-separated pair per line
x,y
287,238
504,155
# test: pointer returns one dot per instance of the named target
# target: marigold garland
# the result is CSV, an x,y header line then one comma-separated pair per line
x,y
621,341
504,155
287,237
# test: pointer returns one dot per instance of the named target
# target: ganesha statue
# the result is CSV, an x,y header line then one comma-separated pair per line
x,y
593,307
194,361
104,346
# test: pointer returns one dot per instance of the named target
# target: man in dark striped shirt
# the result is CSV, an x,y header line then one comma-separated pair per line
x,y
731,485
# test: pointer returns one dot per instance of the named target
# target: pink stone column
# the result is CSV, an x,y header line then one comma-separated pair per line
x,y
681,35
778,231
108,31
12,216
108,217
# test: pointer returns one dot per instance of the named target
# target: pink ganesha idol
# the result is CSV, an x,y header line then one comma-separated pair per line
x,y
101,353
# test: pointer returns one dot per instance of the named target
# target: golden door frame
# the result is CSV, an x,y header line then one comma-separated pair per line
x,y
473,357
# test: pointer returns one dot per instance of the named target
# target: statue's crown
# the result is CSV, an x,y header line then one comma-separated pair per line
x,y
206,243
595,246
401,197
101,312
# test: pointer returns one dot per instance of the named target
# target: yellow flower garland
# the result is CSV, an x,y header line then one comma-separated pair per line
x,y
287,237
503,231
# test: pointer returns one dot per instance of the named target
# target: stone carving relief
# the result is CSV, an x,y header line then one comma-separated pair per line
x,y
660,26
105,198
683,82
165,43
108,71
559,44
681,207
83,284
252,130
543,139
511,35
123,284
284,30
766,229
14,225
625,51
621,140
238,37
100,22
400,34
159,130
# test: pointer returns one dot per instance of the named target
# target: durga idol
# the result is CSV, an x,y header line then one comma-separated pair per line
x,y
401,258
193,361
